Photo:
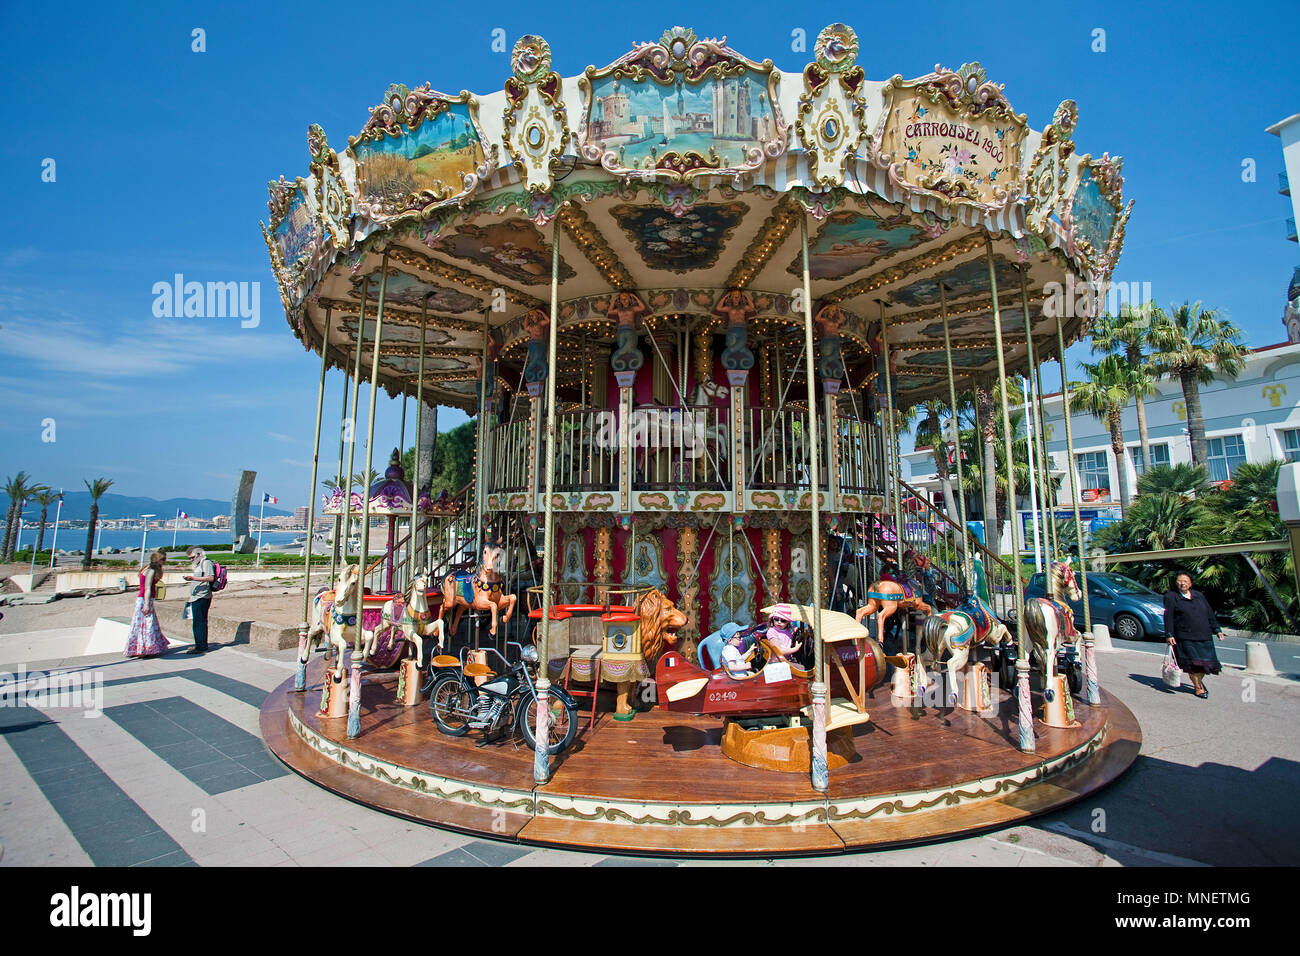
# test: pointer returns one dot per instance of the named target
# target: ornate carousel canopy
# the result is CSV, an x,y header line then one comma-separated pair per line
x,y
674,182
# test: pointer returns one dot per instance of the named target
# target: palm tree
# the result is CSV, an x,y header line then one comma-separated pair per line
x,y
16,488
929,433
96,489
1110,384
975,472
1129,334
1196,346
46,497
1182,479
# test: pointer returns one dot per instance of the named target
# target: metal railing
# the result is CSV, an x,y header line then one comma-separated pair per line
x,y
586,450
860,453
682,446
777,449
509,458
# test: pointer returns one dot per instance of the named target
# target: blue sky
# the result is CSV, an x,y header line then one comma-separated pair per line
x,y
162,155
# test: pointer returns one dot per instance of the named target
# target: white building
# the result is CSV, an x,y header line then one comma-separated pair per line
x,y
1288,130
1254,418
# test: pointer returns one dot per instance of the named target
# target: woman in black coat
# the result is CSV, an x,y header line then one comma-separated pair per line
x,y
1190,627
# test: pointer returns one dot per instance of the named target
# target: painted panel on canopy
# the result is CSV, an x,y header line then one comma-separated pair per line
x,y
419,168
299,234
850,241
404,334
682,243
962,358
1092,215
411,364
406,290
952,135
969,278
513,249
724,121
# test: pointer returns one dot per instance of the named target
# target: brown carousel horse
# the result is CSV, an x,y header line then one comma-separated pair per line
x,y
483,589
885,597
1051,623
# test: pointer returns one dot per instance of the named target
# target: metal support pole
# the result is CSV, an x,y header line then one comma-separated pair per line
x,y
541,754
967,563
300,678
480,445
1026,723
1089,650
354,700
1037,438
340,479
415,464
820,770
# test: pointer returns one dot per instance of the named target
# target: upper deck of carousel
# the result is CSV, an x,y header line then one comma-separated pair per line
x,y
670,194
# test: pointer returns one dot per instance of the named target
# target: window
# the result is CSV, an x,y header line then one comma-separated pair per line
x,y
1290,444
1159,456
1094,473
1226,453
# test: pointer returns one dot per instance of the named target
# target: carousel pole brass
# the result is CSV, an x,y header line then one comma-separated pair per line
x,y
350,434
300,678
820,771
541,754
1089,651
896,491
1038,505
1018,595
343,418
967,568
351,430
1047,461
415,464
354,701
480,446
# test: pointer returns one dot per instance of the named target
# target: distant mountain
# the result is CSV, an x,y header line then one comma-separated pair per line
x,y
76,507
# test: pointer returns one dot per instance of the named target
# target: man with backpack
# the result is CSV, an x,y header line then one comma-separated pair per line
x,y
208,576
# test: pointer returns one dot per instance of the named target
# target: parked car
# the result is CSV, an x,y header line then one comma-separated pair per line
x,y
1131,610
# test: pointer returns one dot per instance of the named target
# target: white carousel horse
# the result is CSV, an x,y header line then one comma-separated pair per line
x,y
416,622
1051,623
333,612
957,633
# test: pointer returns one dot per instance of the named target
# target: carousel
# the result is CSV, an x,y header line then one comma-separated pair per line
x,y
688,604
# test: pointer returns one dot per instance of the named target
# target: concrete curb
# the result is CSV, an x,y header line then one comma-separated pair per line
x,y
227,630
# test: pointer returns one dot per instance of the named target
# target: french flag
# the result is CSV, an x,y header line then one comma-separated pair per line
x,y
269,499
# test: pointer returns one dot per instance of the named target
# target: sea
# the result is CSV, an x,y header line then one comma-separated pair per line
x,y
75,539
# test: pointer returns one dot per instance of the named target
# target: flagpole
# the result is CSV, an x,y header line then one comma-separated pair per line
x,y
176,522
261,512
55,543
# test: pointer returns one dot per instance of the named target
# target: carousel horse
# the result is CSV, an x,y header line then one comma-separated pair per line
x,y
322,621
956,634
1051,623
489,586
416,622
334,613
457,595
885,597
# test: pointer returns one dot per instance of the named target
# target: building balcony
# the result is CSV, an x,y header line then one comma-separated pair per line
x,y
1290,230
1283,184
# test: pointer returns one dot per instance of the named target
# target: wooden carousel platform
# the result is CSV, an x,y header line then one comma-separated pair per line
x,y
660,784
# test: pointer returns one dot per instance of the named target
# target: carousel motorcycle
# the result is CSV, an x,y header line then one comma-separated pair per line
x,y
506,698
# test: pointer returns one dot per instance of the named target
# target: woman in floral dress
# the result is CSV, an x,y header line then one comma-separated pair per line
x,y
146,638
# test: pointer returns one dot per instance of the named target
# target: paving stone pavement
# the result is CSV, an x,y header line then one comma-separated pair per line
x,y
170,770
